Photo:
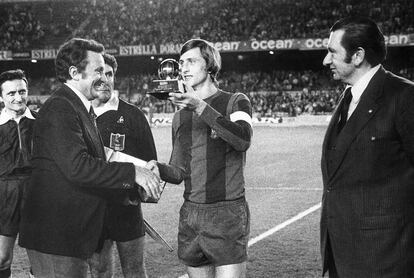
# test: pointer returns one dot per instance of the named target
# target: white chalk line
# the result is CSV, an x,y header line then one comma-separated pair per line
x,y
284,224
278,227
286,188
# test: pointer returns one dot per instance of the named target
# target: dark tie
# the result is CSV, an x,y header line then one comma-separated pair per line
x,y
344,108
92,115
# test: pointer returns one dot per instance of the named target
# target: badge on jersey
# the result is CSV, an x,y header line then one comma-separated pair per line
x,y
213,134
117,142
120,120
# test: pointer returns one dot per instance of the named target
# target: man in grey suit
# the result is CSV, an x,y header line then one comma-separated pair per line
x,y
367,222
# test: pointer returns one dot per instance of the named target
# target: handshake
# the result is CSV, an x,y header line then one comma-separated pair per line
x,y
149,181
147,176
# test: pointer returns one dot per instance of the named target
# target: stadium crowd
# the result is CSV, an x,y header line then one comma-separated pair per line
x,y
19,27
159,21
275,93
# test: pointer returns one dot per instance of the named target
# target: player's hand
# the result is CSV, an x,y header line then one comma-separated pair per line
x,y
149,181
189,100
153,166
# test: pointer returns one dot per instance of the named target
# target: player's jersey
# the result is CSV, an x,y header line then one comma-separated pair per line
x,y
209,150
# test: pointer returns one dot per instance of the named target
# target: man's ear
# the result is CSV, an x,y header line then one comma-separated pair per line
x,y
358,57
74,73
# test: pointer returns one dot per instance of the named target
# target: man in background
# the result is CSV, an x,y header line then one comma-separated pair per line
x,y
16,129
123,128
367,224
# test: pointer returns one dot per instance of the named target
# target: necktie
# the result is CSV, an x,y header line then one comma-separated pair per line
x,y
92,115
344,108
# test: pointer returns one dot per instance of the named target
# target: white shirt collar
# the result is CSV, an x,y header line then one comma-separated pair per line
x,y
360,86
5,116
84,100
112,104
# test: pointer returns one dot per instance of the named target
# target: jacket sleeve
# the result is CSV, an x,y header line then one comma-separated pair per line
x,y
405,121
64,140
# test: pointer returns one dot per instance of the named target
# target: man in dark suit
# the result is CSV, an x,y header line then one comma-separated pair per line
x,y
367,223
62,221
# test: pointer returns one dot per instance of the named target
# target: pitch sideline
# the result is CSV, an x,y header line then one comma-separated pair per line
x,y
278,227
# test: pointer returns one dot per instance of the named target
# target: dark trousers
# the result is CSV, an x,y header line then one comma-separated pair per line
x,y
331,261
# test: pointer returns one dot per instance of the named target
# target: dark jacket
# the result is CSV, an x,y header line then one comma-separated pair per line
x,y
64,211
368,177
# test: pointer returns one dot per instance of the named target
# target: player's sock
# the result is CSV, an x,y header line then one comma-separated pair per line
x,y
5,273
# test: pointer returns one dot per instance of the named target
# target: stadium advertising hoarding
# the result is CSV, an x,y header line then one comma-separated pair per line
x,y
254,45
224,46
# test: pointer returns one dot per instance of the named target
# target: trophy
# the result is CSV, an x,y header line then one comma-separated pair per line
x,y
168,72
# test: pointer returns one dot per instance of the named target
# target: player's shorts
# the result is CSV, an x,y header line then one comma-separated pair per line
x,y
213,234
124,223
12,192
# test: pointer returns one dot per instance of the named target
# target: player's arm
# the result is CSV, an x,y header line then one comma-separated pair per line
x,y
236,131
175,171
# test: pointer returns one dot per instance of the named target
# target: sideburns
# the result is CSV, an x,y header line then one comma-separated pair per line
x,y
348,57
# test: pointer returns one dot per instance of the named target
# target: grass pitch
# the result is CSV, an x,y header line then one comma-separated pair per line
x,y
282,179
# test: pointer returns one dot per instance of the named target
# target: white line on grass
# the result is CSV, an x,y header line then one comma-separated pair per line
x,y
284,224
285,188
278,227
269,187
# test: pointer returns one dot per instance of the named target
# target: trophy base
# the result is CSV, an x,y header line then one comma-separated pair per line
x,y
161,88
160,95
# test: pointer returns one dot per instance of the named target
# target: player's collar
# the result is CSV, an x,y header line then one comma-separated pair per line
x,y
5,116
112,104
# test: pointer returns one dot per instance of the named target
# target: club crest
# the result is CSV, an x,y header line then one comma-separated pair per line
x,y
117,142
213,134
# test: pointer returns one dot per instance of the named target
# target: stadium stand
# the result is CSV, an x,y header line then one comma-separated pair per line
x,y
46,24
159,21
272,94
19,28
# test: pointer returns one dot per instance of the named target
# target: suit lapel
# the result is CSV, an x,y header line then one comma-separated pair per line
x,y
87,122
368,105
329,135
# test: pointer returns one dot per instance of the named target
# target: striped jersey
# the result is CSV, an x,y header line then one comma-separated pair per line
x,y
209,150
